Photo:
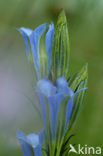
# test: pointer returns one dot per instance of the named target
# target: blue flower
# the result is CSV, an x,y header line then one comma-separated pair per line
x,y
34,38
55,95
33,141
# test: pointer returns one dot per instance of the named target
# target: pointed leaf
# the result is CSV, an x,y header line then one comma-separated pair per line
x,y
78,83
78,78
60,50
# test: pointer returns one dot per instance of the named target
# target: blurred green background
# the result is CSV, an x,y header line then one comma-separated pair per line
x,y
85,25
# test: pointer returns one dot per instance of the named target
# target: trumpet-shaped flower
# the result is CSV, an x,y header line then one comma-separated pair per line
x,y
34,38
33,141
55,95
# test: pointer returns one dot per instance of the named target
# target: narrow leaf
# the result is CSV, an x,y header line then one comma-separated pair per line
x,y
60,50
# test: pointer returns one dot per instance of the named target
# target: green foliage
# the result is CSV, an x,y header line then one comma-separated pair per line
x,y
78,78
79,82
60,49
76,83
61,122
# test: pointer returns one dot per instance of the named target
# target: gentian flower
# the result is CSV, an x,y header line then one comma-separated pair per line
x,y
31,141
55,95
34,38
60,100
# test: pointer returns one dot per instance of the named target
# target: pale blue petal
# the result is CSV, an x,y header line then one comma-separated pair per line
x,y
34,41
27,31
34,37
24,35
48,41
25,148
54,103
69,110
23,141
20,135
38,150
43,106
33,139
62,86
41,136
46,87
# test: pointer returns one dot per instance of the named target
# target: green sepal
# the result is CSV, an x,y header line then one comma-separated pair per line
x,y
65,146
79,81
78,78
60,48
61,122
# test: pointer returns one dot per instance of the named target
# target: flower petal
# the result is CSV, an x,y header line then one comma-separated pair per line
x,y
24,32
34,41
38,150
43,106
49,40
22,140
25,148
27,31
54,103
69,111
46,87
41,136
34,37
33,140
62,86
21,136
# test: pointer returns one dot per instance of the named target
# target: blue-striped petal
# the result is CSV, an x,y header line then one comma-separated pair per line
x,y
23,141
41,136
34,41
25,32
31,140
54,103
25,148
21,136
48,41
34,37
46,87
43,106
62,86
69,111
38,150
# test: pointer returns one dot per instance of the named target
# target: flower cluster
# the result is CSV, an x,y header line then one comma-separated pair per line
x,y
59,94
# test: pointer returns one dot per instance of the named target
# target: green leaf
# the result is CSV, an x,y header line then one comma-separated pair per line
x,y
65,146
79,81
78,78
61,122
60,49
